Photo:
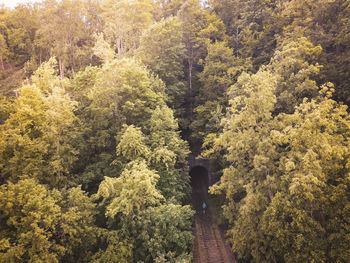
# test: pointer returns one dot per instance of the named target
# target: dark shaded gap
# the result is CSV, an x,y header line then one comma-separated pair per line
x,y
200,185
199,178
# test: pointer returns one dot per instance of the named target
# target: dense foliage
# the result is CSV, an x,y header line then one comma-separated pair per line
x,y
101,103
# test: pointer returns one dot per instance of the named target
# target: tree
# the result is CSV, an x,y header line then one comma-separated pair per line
x,y
124,23
245,183
168,155
167,8
325,23
127,92
162,51
28,223
295,64
251,27
214,30
117,248
193,20
22,150
58,131
156,224
3,47
135,206
310,209
220,71
103,50
123,92
63,33
78,232
132,144
132,192
45,226
21,26
35,137
284,167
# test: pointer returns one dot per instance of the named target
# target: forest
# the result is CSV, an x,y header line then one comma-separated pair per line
x,y
102,101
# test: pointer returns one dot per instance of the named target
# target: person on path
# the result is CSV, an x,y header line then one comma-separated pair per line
x,y
204,207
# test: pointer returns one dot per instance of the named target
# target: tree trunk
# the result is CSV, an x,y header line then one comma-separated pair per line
x,y
72,63
61,68
58,155
119,47
190,67
236,41
2,63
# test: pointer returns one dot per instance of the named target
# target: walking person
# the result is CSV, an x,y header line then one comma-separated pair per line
x,y
204,207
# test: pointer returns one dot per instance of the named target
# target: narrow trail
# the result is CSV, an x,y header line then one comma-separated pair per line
x,y
209,243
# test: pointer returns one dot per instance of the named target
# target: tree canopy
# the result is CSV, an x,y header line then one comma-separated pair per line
x,y
101,103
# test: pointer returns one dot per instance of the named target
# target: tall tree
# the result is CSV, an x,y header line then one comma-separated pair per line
x,y
36,136
132,192
125,21
29,223
167,8
123,92
3,44
66,32
45,226
163,52
308,217
193,20
326,23
21,26
215,79
133,204
220,70
245,183
295,62
255,156
169,153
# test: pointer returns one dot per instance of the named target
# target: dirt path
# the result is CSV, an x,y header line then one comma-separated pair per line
x,y
209,244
